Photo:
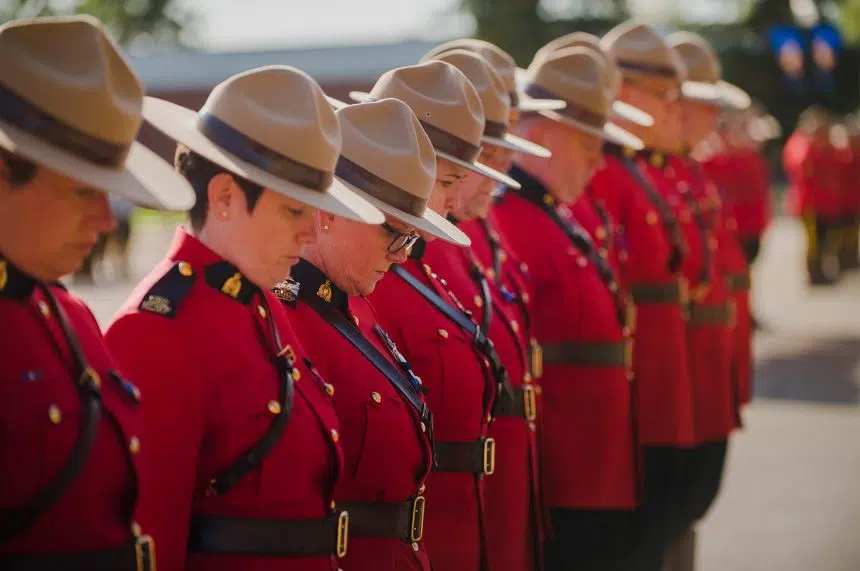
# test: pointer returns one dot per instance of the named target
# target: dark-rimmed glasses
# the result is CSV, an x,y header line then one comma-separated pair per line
x,y
399,240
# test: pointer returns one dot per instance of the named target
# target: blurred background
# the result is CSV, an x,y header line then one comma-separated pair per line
x,y
791,497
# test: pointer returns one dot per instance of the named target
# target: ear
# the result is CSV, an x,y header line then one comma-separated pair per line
x,y
325,221
221,192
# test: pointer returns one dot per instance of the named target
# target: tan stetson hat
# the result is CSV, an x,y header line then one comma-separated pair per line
x,y
448,107
505,66
388,159
704,73
578,76
69,101
273,126
494,99
586,40
640,52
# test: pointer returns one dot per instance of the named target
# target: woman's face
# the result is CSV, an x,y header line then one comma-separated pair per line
x,y
477,190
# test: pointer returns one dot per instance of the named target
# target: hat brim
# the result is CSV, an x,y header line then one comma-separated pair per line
x,y
144,178
528,104
720,94
180,124
430,223
482,169
624,110
610,132
514,143
336,103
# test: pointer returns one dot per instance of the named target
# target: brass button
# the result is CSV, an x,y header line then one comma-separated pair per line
x,y
329,389
526,297
44,309
421,489
527,378
333,504
651,218
443,334
134,444
414,546
296,374
503,256
515,327
185,269
478,301
427,269
262,311
423,427
136,529
355,320
55,414
532,427
377,398
274,407
582,262
335,437
491,273
600,232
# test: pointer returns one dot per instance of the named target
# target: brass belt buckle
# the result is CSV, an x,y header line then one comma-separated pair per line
x,y
416,525
631,316
144,553
529,402
342,534
537,359
490,455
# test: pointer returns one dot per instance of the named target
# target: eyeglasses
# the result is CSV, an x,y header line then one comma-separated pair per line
x,y
399,240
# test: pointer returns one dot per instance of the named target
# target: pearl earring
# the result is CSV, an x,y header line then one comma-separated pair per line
x,y
325,227
223,215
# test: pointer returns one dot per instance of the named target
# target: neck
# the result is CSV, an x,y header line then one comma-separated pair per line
x,y
315,256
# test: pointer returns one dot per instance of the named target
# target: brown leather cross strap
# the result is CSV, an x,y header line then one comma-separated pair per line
x,y
669,292
718,314
269,537
477,457
588,354
738,282
401,520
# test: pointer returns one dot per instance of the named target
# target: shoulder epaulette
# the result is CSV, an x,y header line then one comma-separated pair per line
x,y
165,296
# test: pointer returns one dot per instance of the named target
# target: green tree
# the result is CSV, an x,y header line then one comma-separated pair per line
x,y
132,22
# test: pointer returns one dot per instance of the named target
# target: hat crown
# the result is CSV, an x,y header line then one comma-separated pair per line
x,y
576,75
385,138
500,60
698,57
639,50
281,108
90,88
588,41
494,96
439,94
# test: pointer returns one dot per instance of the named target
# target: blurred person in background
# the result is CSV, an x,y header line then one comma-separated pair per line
x,y
114,242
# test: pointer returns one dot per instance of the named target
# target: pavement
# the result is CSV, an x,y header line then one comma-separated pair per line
x,y
791,494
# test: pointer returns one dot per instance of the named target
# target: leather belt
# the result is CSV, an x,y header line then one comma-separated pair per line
x,y
140,556
478,457
720,314
401,520
270,537
591,354
521,402
738,282
671,292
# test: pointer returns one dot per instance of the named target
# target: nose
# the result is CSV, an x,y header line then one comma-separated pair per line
x,y
103,218
307,232
453,200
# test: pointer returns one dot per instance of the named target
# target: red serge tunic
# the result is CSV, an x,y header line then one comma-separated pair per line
x,y
197,336
42,407
460,391
386,442
708,333
813,172
589,448
744,184
514,504
652,246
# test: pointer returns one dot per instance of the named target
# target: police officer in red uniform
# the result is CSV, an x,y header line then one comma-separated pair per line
x,y
589,449
387,425
72,451
497,300
247,449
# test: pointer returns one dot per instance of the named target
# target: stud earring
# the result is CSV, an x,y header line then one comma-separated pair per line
x,y
325,227
224,215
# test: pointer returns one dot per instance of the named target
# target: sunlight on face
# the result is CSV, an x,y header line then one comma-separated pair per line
x,y
48,226
477,190
445,197
699,120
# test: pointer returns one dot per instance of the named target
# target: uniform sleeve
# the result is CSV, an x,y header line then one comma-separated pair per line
x,y
151,352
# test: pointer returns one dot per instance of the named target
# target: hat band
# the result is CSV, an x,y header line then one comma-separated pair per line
x,y
647,68
495,129
453,145
27,117
261,156
515,98
573,110
379,188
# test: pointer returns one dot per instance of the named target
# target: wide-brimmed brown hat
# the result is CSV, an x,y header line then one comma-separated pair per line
x,y
273,126
505,66
70,102
388,159
448,107
704,73
494,99
579,76
642,54
620,108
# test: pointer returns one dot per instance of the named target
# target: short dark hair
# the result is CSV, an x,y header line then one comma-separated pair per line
x,y
198,171
19,171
